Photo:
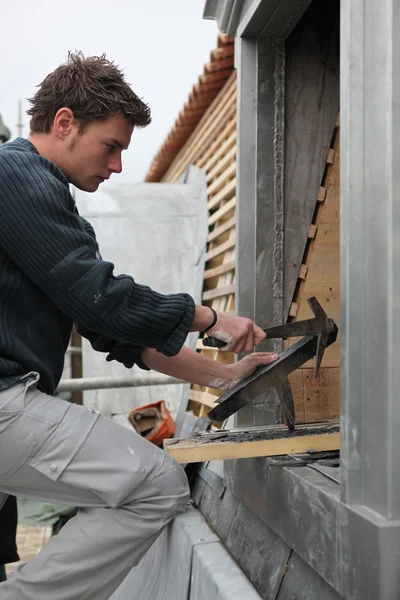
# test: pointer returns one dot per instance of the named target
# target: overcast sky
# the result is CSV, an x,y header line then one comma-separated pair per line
x,y
162,46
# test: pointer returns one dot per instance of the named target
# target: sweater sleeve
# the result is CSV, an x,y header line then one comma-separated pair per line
x,y
46,238
123,352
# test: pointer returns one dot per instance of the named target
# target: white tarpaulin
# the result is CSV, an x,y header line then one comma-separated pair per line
x,y
157,233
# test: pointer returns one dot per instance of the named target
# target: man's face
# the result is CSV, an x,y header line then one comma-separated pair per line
x,y
89,158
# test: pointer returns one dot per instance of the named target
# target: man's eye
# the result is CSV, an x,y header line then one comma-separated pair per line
x,y
110,148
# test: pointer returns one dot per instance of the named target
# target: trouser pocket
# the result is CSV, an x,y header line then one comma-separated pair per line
x,y
16,446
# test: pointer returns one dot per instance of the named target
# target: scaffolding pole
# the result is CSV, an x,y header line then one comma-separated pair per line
x,y
103,383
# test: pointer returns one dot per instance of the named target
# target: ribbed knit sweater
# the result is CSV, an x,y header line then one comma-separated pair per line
x,y
51,275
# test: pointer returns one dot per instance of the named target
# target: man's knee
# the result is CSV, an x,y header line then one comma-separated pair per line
x,y
169,488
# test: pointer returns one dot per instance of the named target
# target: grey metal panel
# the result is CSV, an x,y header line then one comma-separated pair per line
x,y
260,198
220,514
370,555
246,59
246,51
225,12
302,583
299,504
312,104
256,17
271,18
354,550
370,266
215,575
215,482
285,18
259,552
173,565
197,489
269,208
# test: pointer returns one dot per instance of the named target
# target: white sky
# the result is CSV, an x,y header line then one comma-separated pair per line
x,y
162,46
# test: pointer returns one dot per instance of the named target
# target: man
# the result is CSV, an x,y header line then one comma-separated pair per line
x,y
82,118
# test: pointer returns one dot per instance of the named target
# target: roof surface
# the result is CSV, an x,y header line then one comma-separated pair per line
x,y
216,72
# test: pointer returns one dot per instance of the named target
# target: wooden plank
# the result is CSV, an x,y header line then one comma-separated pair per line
x,y
219,291
215,233
224,194
331,157
216,76
312,232
323,281
225,160
225,140
312,82
334,393
321,194
202,398
293,309
224,63
221,181
303,272
221,248
316,395
216,271
230,205
323,276
261,441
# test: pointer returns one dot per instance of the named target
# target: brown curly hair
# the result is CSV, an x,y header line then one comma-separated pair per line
x,y
93,87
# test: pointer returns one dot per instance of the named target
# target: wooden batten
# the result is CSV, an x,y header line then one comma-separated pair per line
x,y
320,276
260,441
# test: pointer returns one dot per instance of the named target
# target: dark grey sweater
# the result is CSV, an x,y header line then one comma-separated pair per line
x,y
51,275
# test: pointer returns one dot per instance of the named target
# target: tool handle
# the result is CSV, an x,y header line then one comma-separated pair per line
x,y
211,342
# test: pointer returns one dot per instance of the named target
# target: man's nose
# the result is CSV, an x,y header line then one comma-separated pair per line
x,y
115,164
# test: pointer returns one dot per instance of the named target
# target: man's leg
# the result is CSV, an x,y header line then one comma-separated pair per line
x,y
8,533
128,490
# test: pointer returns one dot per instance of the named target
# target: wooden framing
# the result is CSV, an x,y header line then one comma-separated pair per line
x,y
319,276
259,441
212,147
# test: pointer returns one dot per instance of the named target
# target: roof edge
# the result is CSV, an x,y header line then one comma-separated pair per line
x,y
216,73
225,12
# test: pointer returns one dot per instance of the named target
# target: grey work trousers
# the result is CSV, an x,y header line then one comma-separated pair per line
x,y
127,490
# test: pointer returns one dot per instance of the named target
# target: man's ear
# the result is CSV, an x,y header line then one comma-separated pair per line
x,y
64,122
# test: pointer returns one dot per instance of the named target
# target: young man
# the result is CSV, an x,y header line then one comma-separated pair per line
x,y
51,275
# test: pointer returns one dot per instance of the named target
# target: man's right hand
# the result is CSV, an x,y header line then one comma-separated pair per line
x,y
239,333
243,368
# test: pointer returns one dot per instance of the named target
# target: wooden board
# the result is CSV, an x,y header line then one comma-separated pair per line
x,y
319,400
274,440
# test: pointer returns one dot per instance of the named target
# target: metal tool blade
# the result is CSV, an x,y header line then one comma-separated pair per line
x,y
285,396
272,375
319,324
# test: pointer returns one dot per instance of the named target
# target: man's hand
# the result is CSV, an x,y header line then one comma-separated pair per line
x,y
197,368
239,333
242,369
